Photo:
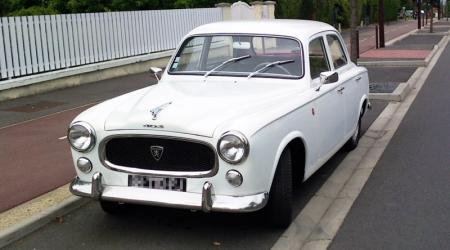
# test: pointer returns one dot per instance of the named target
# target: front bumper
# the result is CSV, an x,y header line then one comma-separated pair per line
x,y
206,201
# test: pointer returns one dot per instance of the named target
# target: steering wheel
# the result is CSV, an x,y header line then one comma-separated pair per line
x,y
261,65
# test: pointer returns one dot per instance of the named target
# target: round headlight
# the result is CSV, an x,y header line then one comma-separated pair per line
x,y
81,136
233,147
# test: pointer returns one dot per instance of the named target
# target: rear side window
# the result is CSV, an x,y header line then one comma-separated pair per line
x,y
337,51
318,61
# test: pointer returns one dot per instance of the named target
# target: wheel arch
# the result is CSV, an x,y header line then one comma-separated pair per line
x,y
296,142
363,103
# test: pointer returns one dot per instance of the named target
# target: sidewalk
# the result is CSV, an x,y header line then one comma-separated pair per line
x,y
406,202
367,33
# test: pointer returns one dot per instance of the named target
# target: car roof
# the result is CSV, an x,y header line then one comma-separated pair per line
x,y
301,29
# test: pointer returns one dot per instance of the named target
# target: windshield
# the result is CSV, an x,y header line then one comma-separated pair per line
x,y
239,55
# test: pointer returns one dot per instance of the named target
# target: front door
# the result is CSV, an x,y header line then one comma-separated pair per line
x,y
348,79
328,107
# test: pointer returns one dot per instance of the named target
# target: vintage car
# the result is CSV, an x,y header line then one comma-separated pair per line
x,y
243,110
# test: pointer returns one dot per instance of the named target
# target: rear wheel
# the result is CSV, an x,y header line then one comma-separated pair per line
x,y
279,207
113,207
352,143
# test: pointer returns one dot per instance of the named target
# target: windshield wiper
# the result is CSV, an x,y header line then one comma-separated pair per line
x,y
234,59
268,66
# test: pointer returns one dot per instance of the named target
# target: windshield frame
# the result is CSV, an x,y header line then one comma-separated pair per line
x,y
239,74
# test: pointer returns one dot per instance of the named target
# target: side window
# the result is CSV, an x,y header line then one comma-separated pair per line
x,y
337,51
318,61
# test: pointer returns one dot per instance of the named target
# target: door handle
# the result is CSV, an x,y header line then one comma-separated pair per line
x,y
358,78
340,90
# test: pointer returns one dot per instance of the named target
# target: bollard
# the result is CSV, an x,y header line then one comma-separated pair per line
x,y
376,37
431,22
357,43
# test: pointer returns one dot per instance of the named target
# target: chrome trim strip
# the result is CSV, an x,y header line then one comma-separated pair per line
x,y
165,198
138,171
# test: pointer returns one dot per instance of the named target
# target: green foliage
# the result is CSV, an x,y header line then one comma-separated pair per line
x,y
32,11
391,8
288,9
330,11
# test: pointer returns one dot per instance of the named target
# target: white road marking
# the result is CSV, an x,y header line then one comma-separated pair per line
x,y
62,137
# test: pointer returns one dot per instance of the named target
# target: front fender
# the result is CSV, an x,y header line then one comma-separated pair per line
x,y
282,145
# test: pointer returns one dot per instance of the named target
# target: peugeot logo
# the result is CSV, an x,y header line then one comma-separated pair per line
x,y
157,152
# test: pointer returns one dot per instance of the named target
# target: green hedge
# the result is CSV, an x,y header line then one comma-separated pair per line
x,y
337,11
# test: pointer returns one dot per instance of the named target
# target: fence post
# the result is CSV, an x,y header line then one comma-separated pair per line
x,y
226,10
257,9
270,8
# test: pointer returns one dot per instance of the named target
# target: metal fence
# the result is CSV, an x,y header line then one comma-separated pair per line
x,y
35,44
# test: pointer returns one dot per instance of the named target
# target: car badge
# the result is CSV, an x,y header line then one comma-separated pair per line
x,y
157,152
155,111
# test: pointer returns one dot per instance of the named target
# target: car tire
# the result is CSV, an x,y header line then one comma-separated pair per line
x,y
352,143
279,207
112,207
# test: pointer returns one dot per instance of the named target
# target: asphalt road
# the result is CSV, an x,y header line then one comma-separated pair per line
x,y
406,202
35,150
163,228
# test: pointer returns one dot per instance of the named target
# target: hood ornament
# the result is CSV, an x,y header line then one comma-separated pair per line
x,y
158,109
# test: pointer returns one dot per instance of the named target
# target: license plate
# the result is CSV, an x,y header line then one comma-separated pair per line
x,y
164,183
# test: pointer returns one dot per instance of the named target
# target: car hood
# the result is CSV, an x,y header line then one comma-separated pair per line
x,y
194,108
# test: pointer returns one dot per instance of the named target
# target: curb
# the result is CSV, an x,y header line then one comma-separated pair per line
x,y
403,63
39,220
415,63
434,33
402,89
392,41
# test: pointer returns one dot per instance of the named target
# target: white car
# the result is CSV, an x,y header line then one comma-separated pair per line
x,y
243,110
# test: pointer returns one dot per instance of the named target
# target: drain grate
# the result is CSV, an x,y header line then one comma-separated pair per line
x,y
385,87
34,107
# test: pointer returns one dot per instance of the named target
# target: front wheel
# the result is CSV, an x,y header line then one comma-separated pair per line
x,y
279,207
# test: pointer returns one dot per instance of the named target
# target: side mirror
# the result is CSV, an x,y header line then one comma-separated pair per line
x,y
157,72
328,77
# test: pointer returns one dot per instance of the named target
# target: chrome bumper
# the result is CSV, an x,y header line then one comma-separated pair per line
x,y
206,201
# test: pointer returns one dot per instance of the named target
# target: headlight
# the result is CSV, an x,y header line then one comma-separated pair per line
x,y
233,147
81,136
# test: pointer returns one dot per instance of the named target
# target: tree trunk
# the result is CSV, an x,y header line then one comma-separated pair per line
x,y
353,25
